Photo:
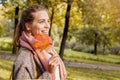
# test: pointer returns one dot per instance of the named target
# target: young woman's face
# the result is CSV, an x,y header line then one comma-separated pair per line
x,y
41,23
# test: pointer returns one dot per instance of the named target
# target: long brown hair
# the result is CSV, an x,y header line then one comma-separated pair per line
x,y
26,17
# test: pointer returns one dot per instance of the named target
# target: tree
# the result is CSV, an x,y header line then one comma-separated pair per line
x,y
65,28
87,35
91,17
14,49
1,30
115,20
1,25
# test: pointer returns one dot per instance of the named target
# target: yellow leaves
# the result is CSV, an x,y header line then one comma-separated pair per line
x,y
1,15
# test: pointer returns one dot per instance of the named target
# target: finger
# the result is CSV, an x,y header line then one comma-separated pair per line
x,y
54,65
53,59
51,51
53,56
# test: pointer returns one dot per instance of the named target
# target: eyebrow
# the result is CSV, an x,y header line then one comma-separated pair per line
x,y
43,19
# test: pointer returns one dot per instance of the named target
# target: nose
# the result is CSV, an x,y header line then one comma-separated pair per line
x,y
47,25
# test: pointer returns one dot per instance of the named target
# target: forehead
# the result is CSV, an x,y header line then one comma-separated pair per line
x,y
41,15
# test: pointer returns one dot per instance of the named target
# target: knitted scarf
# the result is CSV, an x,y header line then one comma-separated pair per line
x,y
41,45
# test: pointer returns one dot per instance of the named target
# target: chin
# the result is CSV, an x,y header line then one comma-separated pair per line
x,y
46,33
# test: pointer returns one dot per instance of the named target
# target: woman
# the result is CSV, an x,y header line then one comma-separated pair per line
x,y
37,58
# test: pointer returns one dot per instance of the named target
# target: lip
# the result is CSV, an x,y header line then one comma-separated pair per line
x,y
45,31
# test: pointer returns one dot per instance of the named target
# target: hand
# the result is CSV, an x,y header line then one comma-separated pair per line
x,y
53,63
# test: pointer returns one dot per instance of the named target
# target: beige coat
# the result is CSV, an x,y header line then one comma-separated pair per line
x,y
28,66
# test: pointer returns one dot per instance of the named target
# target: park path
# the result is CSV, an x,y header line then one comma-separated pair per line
x,y
73,64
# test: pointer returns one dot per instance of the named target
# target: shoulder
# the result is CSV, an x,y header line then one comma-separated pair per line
x,y
23,52
23,65
24,56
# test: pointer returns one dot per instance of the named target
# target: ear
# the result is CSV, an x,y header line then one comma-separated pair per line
x,y
27,26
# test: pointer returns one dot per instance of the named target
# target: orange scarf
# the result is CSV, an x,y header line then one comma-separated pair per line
x,y
41,45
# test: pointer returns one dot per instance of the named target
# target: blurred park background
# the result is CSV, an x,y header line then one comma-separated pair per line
x,y
83,31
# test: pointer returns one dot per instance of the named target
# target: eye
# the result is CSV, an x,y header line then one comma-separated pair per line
x,y
41,21
48,21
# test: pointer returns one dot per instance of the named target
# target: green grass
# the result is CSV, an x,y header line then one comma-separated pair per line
x,y
6,52
70,55
75,73
5,69
92,74
6,43
72,73
109,59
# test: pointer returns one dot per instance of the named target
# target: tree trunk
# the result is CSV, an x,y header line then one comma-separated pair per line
x,y
61,52
51,19
104,46
14,49
95,44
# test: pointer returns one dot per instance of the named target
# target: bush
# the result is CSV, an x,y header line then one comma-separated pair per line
x,y
56,43
1,30
88,50
81,48
67,46
72,44
115,49
78,47
6,44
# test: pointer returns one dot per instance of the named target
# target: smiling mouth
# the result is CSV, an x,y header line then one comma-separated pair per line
x,y
45,32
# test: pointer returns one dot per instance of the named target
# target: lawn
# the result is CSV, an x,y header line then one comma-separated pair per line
x,y
75,73
70,55
109,59
92,74
5,69
72,73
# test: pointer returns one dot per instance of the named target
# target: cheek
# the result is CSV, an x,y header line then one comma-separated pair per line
x,y
36,30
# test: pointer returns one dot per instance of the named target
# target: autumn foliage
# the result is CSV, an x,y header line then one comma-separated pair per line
x,y
42,41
